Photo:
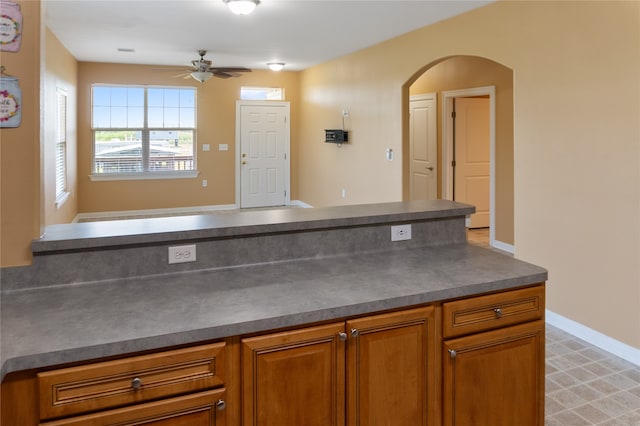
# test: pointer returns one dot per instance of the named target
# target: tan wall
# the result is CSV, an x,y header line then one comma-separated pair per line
x,y
576,139
464,72
20,148
60,73
216,125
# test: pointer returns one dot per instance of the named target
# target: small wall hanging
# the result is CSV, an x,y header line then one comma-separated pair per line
x,y
10,100
10,26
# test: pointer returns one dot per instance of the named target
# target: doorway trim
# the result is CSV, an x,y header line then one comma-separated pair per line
x,y
447,151
287,146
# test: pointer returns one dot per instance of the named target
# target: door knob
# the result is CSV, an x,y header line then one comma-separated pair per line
x,y
243,163
342,336
244,155
355,332
429,168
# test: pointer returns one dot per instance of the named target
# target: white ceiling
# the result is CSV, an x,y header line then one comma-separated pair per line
x,y
301,33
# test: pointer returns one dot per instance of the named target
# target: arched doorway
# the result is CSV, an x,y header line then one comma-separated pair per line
x,y
468,73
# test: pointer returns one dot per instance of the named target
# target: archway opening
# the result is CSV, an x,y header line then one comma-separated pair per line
x,y
467,76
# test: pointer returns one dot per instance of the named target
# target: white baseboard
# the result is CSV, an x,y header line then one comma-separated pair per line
x,y
152,212
302,204
503,246
596,338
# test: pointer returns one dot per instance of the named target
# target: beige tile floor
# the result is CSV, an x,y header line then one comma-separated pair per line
x,y
585,385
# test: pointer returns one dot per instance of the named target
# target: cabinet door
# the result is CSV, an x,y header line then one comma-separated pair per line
x,y
294,378
200,409
390,364
495,378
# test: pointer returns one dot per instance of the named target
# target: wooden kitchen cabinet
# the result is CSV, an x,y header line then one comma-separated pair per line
x,y
390,367
294,377
495,377
199,409
300,377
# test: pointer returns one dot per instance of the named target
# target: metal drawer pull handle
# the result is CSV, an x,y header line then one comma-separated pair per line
x,y
498,312
136,383
342,336
452,353
355,332
221,405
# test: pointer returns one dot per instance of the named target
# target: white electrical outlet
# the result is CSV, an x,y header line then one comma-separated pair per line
x,y
181,254
401,232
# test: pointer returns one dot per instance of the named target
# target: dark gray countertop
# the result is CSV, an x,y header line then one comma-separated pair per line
x,y
82,236
48,326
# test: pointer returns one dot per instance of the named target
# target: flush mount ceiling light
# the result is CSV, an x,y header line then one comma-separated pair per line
x,y
276,66
201,76
241,7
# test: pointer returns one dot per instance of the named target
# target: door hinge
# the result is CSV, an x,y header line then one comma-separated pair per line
x,y
453,163
285,155
285,193
453,114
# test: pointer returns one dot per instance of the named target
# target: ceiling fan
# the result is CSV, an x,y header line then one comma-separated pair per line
x,y
203,71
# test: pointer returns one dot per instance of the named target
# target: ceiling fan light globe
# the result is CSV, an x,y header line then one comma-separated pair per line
x,y
201,76
241,7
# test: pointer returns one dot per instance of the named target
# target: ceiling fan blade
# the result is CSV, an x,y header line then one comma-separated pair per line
x,y
229,69
220,74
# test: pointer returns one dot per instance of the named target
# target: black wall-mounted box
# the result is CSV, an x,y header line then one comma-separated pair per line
x,y
336,136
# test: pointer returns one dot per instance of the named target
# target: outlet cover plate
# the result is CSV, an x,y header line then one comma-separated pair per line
x,y
182,254
401,232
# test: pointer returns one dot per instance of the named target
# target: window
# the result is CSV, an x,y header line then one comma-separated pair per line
x,y
61,147
143,131
261,93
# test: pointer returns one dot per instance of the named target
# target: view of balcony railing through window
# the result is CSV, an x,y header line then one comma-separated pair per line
x,y
139,130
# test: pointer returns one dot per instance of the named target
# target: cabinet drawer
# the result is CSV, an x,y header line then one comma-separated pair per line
x,y
200,409
102,385
492,311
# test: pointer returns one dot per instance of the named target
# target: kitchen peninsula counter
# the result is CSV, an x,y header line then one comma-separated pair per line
x,y
73,321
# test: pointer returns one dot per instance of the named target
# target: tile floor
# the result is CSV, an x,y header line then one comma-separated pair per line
x,y
588,386
585,385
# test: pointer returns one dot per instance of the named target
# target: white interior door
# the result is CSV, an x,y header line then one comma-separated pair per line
x,y
263,129
423,147
472,157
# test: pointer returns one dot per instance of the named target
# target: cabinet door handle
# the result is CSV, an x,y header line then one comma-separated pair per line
x,y
221,405
498,312
452,353
355,332
136,383
342,336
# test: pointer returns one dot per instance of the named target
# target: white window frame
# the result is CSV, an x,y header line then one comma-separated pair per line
x,y
145,131
265,90
61,180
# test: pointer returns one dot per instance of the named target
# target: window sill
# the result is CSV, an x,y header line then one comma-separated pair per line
x,y
62,199
144,176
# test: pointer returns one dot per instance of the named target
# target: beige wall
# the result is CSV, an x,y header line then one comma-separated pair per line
x,y
20,148
60,73
576,100
216,125
464,72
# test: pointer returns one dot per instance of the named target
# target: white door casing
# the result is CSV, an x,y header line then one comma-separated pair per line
x,y
262,154
423,147
471,173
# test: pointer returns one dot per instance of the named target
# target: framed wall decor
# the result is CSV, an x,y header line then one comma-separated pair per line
x,y
10,100
10,26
